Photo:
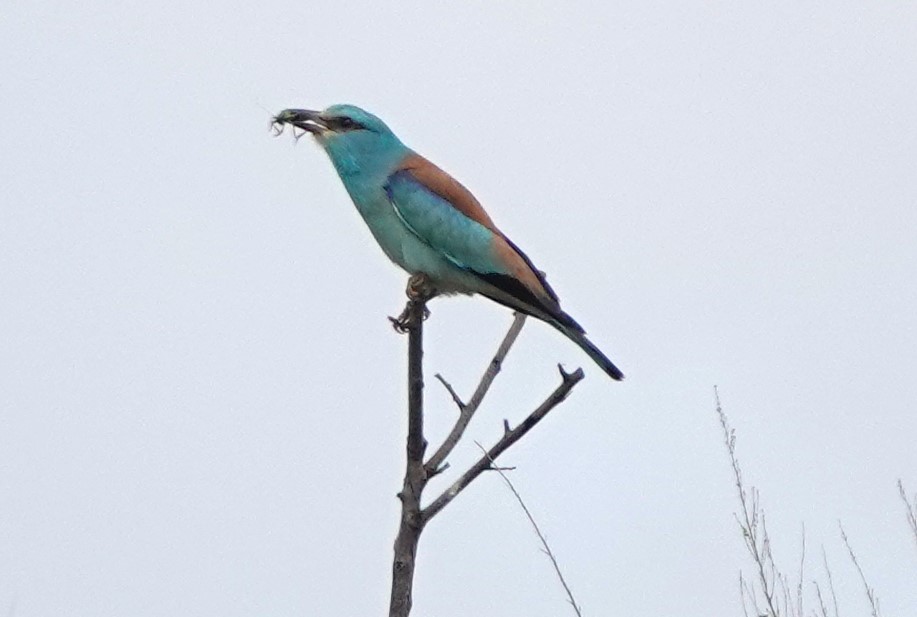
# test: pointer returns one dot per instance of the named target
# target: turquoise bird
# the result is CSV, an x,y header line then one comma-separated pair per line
x,y
428,223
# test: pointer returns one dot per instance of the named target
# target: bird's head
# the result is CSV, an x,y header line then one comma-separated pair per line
x,y
353,138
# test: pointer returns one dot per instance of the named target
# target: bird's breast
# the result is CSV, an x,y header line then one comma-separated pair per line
x,y
399,242
371,201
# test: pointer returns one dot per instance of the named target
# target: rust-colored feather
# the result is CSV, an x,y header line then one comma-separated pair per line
x,y
517,263
447,187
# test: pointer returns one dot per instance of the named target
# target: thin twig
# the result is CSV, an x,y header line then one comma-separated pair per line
x,y
823,610
569,380
910,509
802,566
455,397
467,410
824,558
544,541
742,594
870,592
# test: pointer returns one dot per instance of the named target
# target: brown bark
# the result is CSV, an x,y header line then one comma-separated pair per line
x,y
415,477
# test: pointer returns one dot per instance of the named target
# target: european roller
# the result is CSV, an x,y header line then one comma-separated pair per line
x,y
429,224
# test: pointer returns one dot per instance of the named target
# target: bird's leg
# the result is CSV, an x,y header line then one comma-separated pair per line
x,y
419,290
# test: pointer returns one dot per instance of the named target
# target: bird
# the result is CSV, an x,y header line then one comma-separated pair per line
x,y
428,223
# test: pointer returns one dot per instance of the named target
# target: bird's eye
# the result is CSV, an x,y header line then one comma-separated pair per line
x,y
346,123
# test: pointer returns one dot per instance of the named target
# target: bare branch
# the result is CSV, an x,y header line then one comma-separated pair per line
x,y
870,592
544,541
415,478
417,474
467,411
416,444
910,509
455,397
569,380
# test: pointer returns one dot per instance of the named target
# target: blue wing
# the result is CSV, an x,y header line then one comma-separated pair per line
x,y
463,241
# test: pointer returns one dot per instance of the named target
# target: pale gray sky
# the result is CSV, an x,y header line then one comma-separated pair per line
x,y
201,399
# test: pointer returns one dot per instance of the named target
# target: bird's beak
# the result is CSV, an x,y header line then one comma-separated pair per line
x,y
304,119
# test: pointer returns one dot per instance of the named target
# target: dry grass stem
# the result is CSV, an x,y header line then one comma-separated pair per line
x,y
753,526
870,592
910,508
544,541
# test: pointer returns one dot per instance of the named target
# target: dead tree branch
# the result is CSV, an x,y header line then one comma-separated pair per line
x,y
415,477
417,474
568,381
467,410
544,541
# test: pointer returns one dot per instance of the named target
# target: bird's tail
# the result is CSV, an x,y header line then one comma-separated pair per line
x,y
552,314
575,333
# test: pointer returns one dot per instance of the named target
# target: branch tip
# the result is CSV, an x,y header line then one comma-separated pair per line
x,y
506,441
574,376
493,467
432,473
455,397
467,410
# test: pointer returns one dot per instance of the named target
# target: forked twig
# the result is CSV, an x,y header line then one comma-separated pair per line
x,y
417,473
467,410
568,381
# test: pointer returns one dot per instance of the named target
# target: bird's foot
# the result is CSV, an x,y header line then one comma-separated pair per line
x,y
419,290
409,316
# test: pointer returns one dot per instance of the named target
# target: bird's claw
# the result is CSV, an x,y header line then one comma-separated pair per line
x,y
406,320
419,290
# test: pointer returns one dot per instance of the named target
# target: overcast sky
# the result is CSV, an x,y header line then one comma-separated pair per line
x,y
202,403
